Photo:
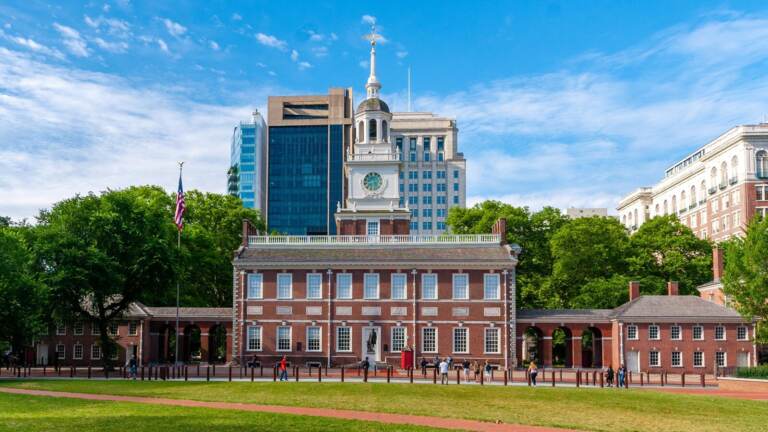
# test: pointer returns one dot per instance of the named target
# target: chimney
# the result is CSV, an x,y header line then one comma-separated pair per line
x,y
717,263
672,289
634,290
500,227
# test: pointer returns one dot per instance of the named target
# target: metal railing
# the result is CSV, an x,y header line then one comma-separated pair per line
x,y
354,240
712,190
733,180
373,156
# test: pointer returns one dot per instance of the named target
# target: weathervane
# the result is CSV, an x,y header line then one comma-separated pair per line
x,y
372,36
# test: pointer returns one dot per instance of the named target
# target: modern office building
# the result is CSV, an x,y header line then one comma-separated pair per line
x,y
433,171
307,139
245,177
716,190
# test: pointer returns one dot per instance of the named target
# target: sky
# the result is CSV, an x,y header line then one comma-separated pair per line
x,y
558,103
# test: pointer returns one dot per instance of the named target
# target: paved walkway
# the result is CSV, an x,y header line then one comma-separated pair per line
x,y
437,422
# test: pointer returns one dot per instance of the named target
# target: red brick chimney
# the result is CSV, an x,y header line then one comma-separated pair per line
x,y
717,263
634,290
672,288
500,227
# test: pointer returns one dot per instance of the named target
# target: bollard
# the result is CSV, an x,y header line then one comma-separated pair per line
x,y
89,372
198,370
252,372
630,376
702,381
594,378
491,380
661,378
262,370
186,373
458,377
214,370
296,371
274,374
207,373
342,374
641,380
528,378
410,374
434,375
230,373
106,373
682,379
43,370
602,384
505,376
553,378
73,372
320,372
482,378
578,379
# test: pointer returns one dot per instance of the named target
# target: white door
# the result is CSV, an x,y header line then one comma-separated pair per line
x,y
42,354
742,359
633,361
371,343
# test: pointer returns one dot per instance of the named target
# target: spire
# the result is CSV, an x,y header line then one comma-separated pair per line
x,y
373,85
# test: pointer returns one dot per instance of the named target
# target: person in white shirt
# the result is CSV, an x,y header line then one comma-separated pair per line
x,y
444,372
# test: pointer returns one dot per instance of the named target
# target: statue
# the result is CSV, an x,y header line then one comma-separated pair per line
x,y
371,343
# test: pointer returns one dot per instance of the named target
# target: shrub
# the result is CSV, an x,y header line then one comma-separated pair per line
x,y
759,372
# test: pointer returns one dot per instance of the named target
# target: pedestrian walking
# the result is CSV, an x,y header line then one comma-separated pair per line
x,y
443,365
622,376
132,366
283,368
476,369
609,376
533,371
365,365
424,364
465,366
488,368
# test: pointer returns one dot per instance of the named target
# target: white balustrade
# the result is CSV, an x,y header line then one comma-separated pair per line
x,y
353,240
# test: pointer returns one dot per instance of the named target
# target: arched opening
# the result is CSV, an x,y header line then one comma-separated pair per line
x,y
192,347
592,348
761,164
703,192
166,344
562,347
682,200
734,169
723,174
372,129
674,204
360,131
713,178
217,344
532,338
637,221
666,208
693,196
384,130
656,210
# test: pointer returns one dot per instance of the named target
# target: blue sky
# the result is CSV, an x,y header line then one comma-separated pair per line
x,y
558,103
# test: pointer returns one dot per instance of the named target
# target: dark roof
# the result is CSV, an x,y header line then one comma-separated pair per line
x,y
674,307
190,312
711,284
373,104
546,315
454,256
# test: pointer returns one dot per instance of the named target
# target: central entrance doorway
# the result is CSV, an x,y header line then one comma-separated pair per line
x,y
371,344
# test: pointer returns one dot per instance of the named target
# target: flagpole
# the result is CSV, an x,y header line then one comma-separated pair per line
x,y
178,245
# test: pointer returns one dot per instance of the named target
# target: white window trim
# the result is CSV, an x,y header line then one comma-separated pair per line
x,y
350,339
679,332
100,353
82,329
320,337
378,286
260,277
277,339
136,327
498,286
392,338
429,275
672,363
61,355
466,286
378,227
453,340
248,338
74,351
95,331
725,359
725,333
314,275
437,340
392,286
637,335
703,360
338,276
63,328
498,340
658,357
277,286
117,329
693,333
658,332
746,333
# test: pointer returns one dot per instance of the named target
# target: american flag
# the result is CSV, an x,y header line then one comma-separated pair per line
x,y
178,218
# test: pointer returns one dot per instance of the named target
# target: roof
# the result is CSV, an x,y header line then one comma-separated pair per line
x,y
377,256
714,284
373,104
190,312
684,307
564,315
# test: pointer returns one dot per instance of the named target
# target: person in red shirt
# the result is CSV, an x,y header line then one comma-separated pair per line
x,y
283,369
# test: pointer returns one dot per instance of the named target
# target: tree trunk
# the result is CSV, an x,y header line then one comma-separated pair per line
x,y
107,345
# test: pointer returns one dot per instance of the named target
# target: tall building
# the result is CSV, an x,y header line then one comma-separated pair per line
x,y
307,139
433,172
716,190
245,177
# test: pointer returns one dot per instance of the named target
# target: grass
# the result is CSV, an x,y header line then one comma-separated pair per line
x,y
21,413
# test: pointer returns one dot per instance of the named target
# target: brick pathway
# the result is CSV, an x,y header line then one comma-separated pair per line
x,y
437,422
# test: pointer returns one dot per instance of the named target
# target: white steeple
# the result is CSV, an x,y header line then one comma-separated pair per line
x,y
373,85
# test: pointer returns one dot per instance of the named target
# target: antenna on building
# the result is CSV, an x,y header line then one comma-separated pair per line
x,y
409,89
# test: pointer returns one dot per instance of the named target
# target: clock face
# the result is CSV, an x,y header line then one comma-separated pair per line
x,y
372,181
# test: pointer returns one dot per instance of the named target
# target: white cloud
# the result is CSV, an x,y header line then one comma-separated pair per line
x,y
314,36
271,41
106,7
272,73
401,54
33,46
113,26
114,47
174,29
214,46
294,55
334,37
163,46
364,64
72,40
320,51
236,17
369,19
304,65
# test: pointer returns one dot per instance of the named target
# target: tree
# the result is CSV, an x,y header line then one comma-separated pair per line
x,y
99,253
746,272
665,249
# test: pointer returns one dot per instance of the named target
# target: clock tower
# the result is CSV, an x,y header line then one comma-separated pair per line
x,y
371,168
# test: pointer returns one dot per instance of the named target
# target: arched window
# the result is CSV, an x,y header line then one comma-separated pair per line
x,y
666,209
682,200
723,174
384,130
703,191
372,129
657,209
693,195
713,178
637,222
624,219
734,169
360,131
674,204
761,165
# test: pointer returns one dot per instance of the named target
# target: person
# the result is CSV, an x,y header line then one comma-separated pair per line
x,y
450,362
365,365
424,364
609,376
621,374
533,371
476,368
443,371
283,369
132,367
488,371
465,366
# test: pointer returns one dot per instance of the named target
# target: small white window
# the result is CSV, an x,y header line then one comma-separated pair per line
x,y
698,332
460,340
314,285
398,339
429,286
653,359
677,359
492,345
112,330
95,330
698,359
653,332
254,338
95,352
675,333
343,285
721,359
720,333
61,352
283,338
429,340
255,285
77,351
133,328
460,286
373,228
371,286
741,333
61,329
491,286
313,339
632,332
77,328
344,339
398,284
284,286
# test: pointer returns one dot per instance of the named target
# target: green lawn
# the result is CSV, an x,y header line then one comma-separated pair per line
x,y
21,413
591,409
